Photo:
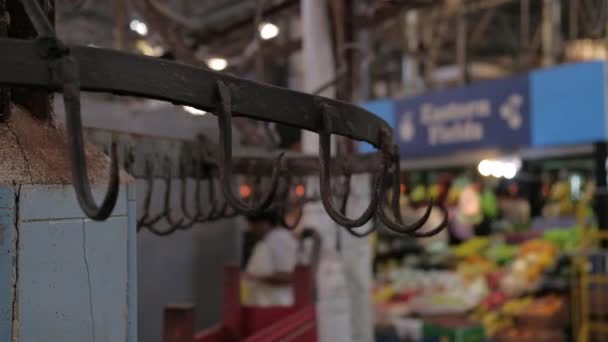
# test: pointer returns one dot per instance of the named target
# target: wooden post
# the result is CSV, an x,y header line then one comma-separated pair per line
x,y
303,287
4,92
38,102
178,323
232,309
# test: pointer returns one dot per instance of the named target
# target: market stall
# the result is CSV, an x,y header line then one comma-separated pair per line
x,y
521,176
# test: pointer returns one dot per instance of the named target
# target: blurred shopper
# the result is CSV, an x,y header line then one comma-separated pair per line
x,y
269,271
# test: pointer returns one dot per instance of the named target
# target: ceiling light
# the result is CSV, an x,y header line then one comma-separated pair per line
x,y
194,111
217,64
509,170
140,27
498,169
485,167
268,31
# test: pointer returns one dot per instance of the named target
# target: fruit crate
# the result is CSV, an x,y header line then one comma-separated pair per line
x,y
530,335
556,317
452,329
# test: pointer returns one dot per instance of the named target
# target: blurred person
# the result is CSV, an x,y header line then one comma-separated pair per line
x,y
269,271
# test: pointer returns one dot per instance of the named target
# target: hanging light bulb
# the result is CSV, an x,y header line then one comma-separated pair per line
x,y
217,63
139,27
268,31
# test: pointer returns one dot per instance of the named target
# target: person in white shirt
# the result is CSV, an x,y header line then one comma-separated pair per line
x,y
269,271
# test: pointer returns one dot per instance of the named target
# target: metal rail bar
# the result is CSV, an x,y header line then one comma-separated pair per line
x,y
115,72
137,151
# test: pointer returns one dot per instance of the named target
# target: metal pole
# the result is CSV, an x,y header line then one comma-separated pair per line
x,y
550,31
600,155
119,8
525,24
259,54
574,12
411,69
461,46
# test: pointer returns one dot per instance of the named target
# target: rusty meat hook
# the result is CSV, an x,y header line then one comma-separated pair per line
x,y
398,227
142,221
150,224
217,206
64,74
283,207
325,178
215,210
174,225
71,97
225,159
346,194
344,204
198,216
198,200
219,209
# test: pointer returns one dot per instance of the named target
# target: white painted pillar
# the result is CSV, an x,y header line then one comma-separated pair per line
x,y
318,68
344,279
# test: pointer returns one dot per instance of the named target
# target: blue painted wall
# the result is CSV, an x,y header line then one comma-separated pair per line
x,y
7,241
568,104
72,273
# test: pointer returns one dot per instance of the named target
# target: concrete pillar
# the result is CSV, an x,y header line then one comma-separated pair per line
x,y
357,255
63,277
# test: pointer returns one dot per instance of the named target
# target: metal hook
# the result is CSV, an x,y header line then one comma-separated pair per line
x,y
174,225
225,159
198,199
346,194
71,100
399,227
142,221
64,73
325,176
216,205
283,207
151,223
196,218
219,208
344,204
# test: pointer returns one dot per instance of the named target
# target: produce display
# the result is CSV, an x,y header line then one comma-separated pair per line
x,y
524,274
498,270
493,283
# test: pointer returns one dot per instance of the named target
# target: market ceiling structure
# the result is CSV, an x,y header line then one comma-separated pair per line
x,y
491,37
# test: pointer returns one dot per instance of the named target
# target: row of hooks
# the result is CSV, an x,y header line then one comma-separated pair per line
x,y
64,76
208,204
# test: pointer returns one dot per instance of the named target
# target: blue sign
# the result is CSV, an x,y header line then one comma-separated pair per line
x,y
569,104
485,115
384,109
